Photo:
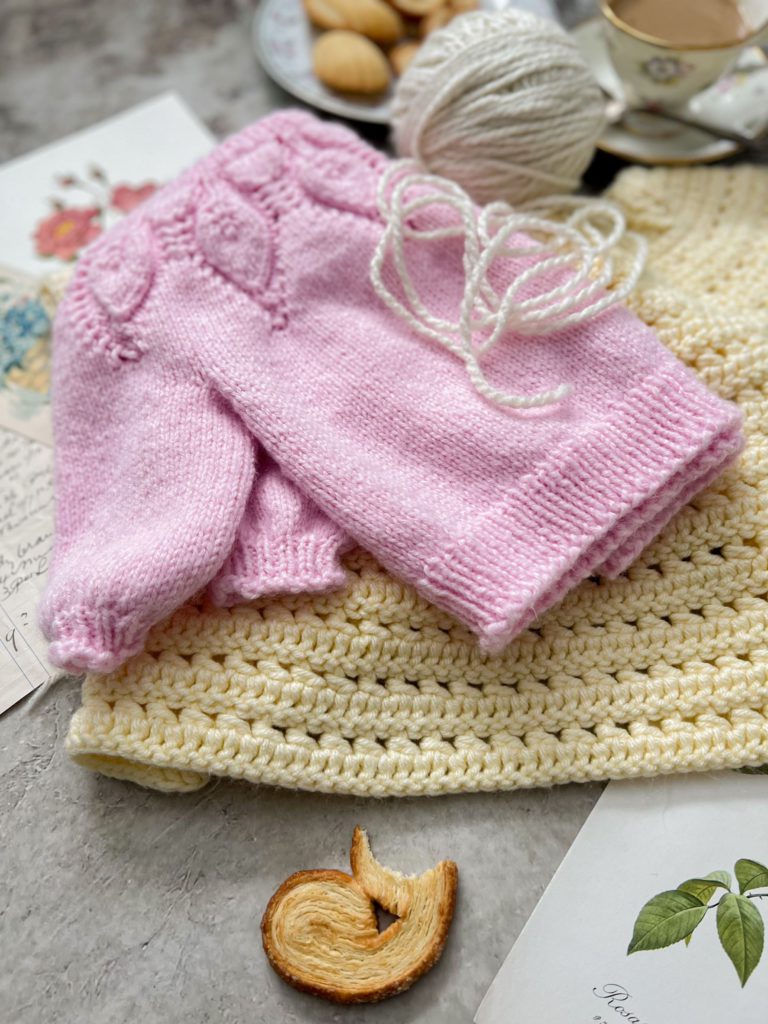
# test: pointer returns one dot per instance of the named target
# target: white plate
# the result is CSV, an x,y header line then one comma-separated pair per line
x,y
283,38
738,101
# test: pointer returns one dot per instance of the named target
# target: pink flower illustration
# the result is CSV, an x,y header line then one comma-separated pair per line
x,y
126,197
66,232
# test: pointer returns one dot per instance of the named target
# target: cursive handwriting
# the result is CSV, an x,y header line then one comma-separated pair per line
x,y
26,526
616,997
26,507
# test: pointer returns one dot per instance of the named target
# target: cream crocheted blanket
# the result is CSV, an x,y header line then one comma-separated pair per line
x,y
372,691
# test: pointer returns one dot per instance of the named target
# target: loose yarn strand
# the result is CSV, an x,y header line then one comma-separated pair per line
x,y
570,240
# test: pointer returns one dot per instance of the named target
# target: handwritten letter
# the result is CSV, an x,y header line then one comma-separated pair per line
x,y
26,529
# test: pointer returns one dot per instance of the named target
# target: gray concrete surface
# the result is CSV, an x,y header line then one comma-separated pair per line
x,y
122,905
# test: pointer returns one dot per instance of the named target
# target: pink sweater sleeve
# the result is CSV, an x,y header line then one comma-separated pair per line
x,y
152,469
285,544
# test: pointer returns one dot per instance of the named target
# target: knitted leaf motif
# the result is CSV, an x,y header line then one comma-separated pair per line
x,y
121,270
255,169
326,134
334,178
235,238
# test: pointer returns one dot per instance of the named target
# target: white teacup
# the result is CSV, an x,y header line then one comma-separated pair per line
x,y
658,72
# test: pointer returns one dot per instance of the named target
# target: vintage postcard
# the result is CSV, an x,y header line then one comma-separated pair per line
x,y
656,916
26,528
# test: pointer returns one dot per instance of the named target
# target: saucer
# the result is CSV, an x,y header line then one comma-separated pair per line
x,y
283,38
738,101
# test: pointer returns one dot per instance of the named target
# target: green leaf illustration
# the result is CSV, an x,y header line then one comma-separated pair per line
x,y
720,876
751,874
704,888
666,919
741,932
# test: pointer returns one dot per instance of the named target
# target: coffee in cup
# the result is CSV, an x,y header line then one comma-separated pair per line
x,y
666,51
686,22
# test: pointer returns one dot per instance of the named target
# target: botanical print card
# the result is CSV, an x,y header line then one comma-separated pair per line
x,y
54,202
656,915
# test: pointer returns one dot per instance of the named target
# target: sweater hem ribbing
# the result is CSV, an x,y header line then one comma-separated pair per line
x,y
300,565
94,641
580,512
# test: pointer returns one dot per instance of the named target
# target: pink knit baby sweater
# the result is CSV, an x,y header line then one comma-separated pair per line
x,y
233,403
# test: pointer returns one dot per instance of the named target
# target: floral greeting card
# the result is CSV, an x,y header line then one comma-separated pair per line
x,y
657,915
62,196
57,200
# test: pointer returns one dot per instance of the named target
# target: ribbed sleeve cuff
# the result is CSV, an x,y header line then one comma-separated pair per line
x,y
580,511
299,565
84,639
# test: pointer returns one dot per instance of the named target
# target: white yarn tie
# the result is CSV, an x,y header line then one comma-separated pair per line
x,y
580,243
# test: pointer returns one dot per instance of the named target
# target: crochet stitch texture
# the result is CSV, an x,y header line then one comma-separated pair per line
x,y
373,691
233,402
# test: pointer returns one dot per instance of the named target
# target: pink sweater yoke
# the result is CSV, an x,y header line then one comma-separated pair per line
x,y
234,406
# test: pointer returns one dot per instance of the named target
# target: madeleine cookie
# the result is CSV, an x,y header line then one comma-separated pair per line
x,y
400,56
321,935
348,62
417,8
437,19
441,17
372,18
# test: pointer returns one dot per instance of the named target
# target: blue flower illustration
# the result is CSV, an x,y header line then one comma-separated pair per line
x,y
22,322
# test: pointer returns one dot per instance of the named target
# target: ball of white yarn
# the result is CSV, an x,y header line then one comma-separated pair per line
x,y
501,103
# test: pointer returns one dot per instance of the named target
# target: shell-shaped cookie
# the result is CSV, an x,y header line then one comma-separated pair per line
x,y
235,237
121,268
437,19
400,56
373,18
336,177
417,8
348,62
321,936
254,170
